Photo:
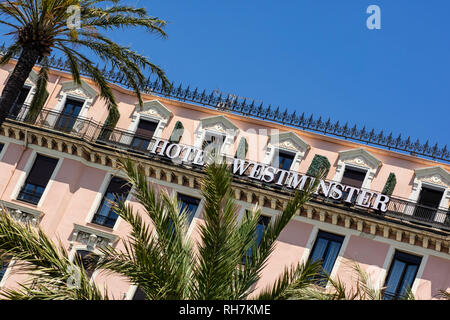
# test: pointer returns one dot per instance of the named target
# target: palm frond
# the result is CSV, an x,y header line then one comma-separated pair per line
x,y
292,283
36,255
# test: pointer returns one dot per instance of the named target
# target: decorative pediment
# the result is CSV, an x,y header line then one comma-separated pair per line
x,y
434,175
91,237
155,109
289,141
360,157
83,90
219,124
32,78
21,213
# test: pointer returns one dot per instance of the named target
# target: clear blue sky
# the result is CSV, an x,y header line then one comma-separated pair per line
x,y
314,56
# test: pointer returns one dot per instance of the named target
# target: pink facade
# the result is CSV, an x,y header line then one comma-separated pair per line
x,y
74,192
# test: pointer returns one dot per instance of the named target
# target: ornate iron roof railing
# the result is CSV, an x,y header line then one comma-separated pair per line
x,y
94,132
251,109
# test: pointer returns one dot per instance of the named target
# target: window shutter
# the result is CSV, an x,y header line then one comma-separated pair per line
x,y
42,170
319,163
242,149
23,94
177,132
390,184
353,178
146,129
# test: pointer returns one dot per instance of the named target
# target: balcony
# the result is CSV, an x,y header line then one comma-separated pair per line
x,y
95,133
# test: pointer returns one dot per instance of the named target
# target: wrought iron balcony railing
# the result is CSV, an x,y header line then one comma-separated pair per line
x,y
94,132
234,104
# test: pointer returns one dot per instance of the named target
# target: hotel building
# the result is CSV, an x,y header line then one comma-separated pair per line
x,y
58,169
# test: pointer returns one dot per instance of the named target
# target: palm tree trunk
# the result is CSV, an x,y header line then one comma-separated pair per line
x,y
28,58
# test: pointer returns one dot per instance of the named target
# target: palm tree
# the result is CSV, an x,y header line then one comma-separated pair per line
x,y
51,269
361,289
160,258
42,26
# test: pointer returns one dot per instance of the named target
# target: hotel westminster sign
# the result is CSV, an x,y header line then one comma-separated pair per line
x,y
183,154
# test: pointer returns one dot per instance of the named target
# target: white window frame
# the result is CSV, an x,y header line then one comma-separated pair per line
x,y
7,272
388,264
219,126
160,125
85,248
3,152
201,204
295,162
312,240
358,159
287,142
30,82
153,111
71,90
99,197
208,133
366,182
26,172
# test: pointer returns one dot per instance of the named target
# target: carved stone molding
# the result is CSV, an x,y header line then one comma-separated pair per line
x,y
388,228
91,237
359,158
286,141
22,213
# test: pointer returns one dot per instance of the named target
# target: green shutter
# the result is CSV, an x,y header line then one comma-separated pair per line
x,y
177,133
390,184
319,163
242,149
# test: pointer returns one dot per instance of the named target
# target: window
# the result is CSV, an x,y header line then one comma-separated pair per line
x,y
401,275
1,147
117,189
190,204
213,143
284,160
4,263
263,222
354,178
37,179
20,100
88,259
429,200
326,248
143,135
139,295
69,115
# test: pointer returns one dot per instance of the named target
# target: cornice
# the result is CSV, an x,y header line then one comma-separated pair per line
x,y
106,157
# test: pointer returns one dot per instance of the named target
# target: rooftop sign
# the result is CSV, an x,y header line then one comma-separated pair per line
x,y
266,173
